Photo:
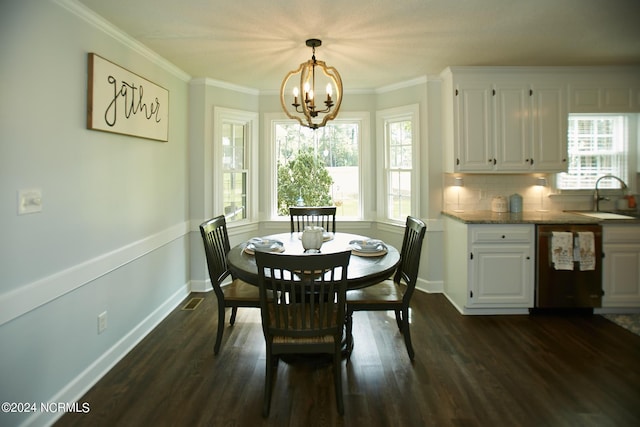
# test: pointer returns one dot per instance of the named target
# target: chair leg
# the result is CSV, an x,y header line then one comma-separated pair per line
x,y
234,311
349,335
399,319
268,384
337,380
407,334
216,347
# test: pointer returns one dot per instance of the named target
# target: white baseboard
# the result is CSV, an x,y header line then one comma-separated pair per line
x,y
430,287
201,285
74,391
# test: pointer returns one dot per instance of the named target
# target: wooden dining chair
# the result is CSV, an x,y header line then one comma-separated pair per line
x,y
392,294
235,294
322,216
305,313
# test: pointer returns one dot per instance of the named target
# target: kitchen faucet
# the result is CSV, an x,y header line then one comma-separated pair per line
x,y
596,193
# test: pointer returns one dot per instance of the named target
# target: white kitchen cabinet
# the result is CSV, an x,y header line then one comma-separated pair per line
x,y
503,121
489,269
594,99
605,90
621,265
549,134
473,129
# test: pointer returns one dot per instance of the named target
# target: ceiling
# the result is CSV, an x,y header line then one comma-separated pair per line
x,y
375,43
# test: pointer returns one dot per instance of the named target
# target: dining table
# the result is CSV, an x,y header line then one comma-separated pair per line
x,y
366,268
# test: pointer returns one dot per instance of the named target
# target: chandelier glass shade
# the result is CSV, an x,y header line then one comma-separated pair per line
x,y
298,95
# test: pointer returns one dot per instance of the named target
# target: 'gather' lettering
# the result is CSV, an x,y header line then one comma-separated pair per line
x,y
132,102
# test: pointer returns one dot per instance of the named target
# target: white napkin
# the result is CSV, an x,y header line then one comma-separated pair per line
x,y
587,251
562,250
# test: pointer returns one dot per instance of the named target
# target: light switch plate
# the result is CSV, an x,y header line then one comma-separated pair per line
x,y
29,201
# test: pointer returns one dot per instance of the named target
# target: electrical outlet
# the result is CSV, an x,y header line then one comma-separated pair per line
x,y
102,322
29,201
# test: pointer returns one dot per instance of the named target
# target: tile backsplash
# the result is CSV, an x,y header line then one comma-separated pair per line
x,y
479,189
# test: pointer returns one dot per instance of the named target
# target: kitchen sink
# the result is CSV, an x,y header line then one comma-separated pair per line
x,y
605,215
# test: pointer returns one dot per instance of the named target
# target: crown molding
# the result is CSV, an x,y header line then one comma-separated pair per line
x,y
108,28
224,85
401,85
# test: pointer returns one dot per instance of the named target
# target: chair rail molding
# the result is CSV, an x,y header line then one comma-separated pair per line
x,y
26,298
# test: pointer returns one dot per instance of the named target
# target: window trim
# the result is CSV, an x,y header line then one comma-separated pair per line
x,y
250,121
408,112
270,185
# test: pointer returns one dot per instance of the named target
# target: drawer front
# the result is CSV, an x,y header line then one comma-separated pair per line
x,y
621,233
496,234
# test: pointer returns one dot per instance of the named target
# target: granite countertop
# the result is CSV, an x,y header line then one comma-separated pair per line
x,y
529,217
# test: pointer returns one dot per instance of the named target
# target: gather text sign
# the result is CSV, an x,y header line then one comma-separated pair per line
x,y
120,101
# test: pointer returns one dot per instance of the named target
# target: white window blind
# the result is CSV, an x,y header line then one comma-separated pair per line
x,y
597,146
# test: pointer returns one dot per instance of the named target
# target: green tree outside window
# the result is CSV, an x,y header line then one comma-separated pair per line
x,y
303,180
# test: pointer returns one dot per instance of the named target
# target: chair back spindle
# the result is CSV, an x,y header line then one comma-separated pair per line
x,y
322,216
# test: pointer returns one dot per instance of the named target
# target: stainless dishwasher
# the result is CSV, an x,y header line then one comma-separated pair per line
x,y
559,288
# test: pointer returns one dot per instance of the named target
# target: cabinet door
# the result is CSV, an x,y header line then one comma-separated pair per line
x,y
474,139
512,128
549,140
501,276
604,98
621,275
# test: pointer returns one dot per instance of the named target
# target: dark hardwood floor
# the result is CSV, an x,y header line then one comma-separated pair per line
x,y
538,370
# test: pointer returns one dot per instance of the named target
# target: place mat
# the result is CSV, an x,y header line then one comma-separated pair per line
x,y
368,254
369,247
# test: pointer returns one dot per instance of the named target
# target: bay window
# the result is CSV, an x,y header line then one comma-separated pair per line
x,y
398,142
319,167
235,136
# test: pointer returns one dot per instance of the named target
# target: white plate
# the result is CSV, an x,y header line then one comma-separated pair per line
x,y
368,246
265,245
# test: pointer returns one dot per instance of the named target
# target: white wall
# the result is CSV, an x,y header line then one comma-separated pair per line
x,y
113,232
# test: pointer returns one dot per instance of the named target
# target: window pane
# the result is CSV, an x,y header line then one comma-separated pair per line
x,y
399,198
597,146
399,143
235,195
318,167
233,143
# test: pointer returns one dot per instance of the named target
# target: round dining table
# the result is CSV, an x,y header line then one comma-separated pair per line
x,y
365,269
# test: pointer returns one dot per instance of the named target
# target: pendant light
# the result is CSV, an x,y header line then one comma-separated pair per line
x,y
298,95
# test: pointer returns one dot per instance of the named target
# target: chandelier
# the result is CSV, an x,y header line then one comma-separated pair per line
x,y
302,83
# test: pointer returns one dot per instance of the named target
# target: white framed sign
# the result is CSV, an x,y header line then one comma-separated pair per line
x,y
120,101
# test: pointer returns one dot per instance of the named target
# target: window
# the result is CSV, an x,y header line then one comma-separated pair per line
x,y
320,167
597,146
398,129
234,133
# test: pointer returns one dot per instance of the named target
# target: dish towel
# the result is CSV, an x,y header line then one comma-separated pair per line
x,y
587,246
562,250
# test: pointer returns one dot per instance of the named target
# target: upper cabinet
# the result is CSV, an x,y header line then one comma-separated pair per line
x,y
504,120
605,90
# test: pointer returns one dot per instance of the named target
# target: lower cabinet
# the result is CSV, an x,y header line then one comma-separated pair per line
x,y
497,274
621,265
